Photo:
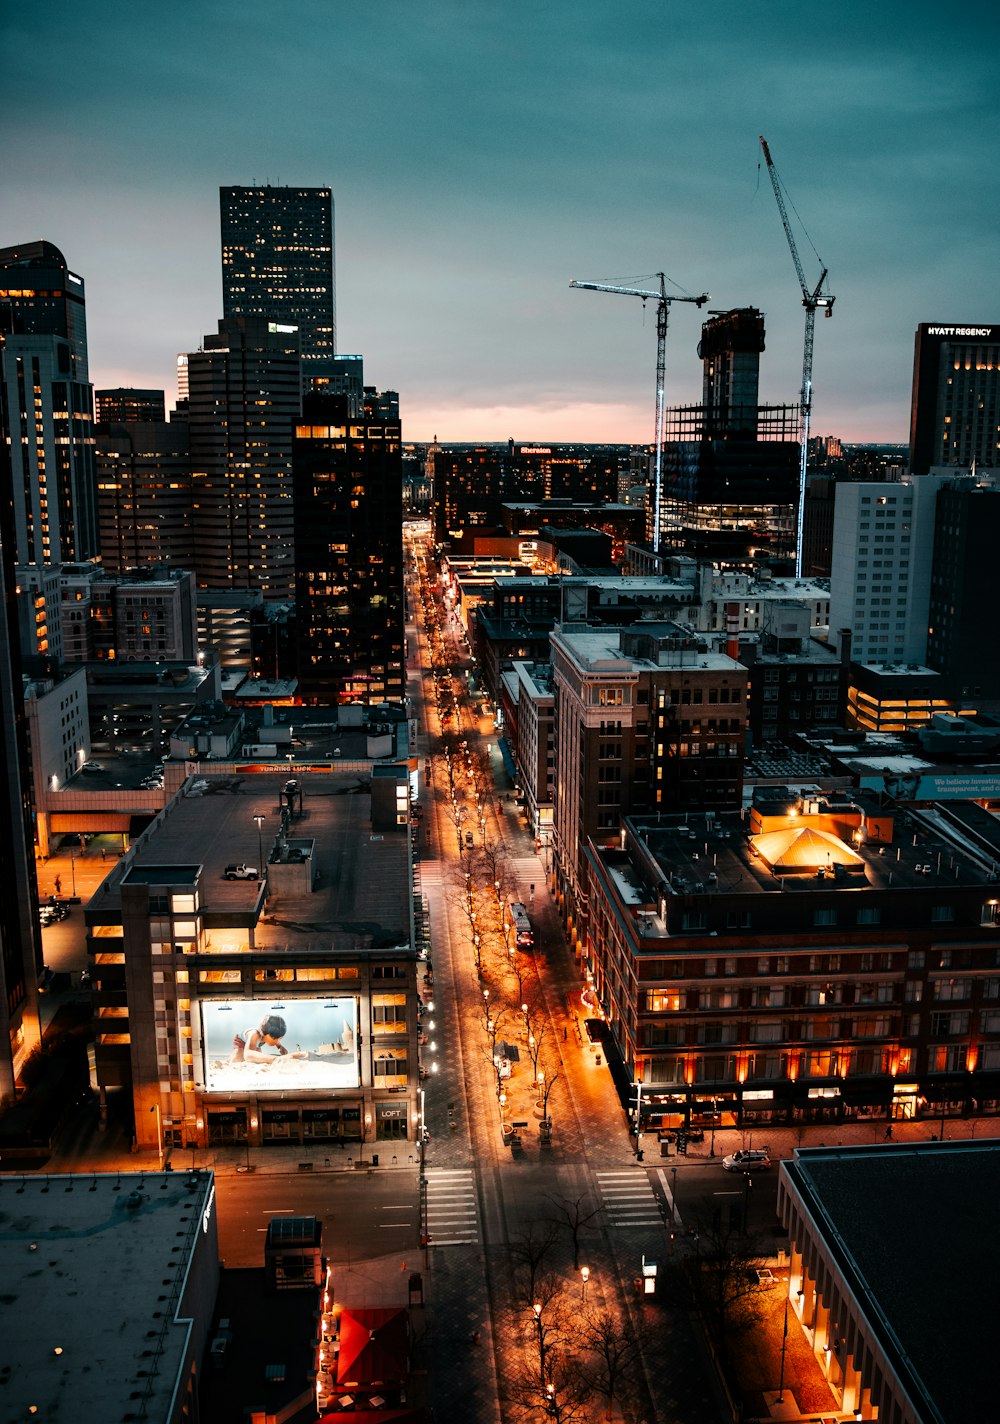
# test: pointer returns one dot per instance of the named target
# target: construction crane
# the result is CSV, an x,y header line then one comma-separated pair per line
x,y
663,302
812,301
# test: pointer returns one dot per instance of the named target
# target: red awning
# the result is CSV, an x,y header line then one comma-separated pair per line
x,y
374,1347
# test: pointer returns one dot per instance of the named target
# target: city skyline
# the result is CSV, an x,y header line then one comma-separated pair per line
x,y
479,161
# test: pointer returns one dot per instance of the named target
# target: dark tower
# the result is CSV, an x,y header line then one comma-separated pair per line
x,y
348,498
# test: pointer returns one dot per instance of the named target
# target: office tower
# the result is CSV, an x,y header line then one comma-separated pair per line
x,y
244,400
961,636
126,404
47,406
469,486
880,577
730,465
348,555
20,936
646,720
955,407
278,262
144,494
40,296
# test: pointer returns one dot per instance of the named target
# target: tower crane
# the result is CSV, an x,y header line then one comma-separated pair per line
x,y
663,302
812,301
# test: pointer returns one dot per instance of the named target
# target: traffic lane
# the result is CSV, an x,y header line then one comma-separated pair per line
x,y
365,1214
704,1192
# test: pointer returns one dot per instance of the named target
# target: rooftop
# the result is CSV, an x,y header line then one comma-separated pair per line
x,y
361,896
93,1274
925,1292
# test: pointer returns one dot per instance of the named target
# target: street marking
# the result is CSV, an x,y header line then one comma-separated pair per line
x,y
675,1216
629,1199
450,1209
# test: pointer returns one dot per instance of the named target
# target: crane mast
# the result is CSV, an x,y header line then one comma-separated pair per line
x,y
812,301
663,302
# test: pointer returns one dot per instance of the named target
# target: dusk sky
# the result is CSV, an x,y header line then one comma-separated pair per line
x,y
482,155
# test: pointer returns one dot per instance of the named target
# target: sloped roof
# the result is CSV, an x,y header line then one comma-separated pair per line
x,y
803,848
373,1346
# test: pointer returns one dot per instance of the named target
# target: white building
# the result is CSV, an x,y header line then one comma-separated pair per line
x,y
880,578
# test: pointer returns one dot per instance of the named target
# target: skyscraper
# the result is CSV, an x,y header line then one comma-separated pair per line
x,y
730,471
348,554
47,406
278,262
955,408
245,395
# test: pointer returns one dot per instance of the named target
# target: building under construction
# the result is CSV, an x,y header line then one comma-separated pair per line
x,y
730,464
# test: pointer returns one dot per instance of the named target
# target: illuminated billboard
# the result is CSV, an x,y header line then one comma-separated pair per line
x,y
295,1045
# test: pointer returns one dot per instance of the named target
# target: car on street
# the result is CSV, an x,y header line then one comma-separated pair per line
x,y
241,872
753,1159
91,766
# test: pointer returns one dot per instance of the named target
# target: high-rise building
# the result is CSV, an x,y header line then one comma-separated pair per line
x,y
127,404
955,408
883,545
20,937
144,493
730,467
348,554
961,635
245,397
47,406
40,296
278,262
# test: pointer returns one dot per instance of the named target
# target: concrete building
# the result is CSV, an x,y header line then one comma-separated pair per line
x,y
188,962
795,681
58,719
527,710
39,611
955,406
136,1258
126,405
245,396
961,635
278,262
817,960
646,719
860,1278
880,580
144,494
147,615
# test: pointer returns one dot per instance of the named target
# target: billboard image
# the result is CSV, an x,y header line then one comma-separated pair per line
x,y
292,1045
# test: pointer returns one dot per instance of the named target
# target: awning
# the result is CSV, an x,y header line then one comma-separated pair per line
x,y
955,1090
374,1347
508,761
867,1092
984,1085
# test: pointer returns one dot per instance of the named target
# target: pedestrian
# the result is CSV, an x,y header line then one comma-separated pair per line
x,y
564,1033
888,1132
58,886
104,853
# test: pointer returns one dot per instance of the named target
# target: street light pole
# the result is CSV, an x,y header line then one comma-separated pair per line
x,y
585,1277
711,1150
541,1341
259,820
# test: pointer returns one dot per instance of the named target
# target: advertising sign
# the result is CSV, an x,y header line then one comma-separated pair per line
x,y
292,1045
971,785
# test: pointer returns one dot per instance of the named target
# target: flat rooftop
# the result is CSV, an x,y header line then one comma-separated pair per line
x,y
362,886
716,856
913,1227
95,1267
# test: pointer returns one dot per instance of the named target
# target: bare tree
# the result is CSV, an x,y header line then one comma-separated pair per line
x,y
614,1350
529,1252
724,1277
574,1215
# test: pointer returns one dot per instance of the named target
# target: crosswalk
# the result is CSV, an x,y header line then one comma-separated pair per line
x,y
451,1213
628,1199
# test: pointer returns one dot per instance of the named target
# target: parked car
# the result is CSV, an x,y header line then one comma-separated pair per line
x,y
241,872
91,766
753,1159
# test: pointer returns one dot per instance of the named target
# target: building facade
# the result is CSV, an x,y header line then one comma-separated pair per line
x,y
144,494
816,960
348,499
278,262
188,966
955,406
245,396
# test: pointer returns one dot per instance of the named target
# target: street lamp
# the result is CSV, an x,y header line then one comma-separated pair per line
x,y
711,1150
541,1339
259,821
585,1277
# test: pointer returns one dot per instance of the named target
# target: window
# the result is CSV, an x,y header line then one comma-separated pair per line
x,y
953,989
824,917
